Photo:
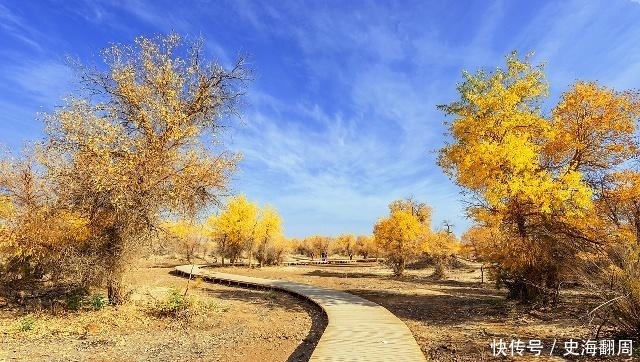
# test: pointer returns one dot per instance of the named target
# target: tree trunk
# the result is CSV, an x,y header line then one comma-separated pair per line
x,y
399,267
115,291
439,270
115,283
115,268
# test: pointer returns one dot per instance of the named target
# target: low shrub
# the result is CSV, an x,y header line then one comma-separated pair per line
x,y
27,323
174,304
97,301
74,302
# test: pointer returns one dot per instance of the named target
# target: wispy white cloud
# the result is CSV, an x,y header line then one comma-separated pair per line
x,y
30,88
341,118
354,163
578,40
15,25
350,165
183,20
42,81
347,169
91,11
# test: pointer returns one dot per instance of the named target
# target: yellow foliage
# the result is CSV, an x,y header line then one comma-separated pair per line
x,y
142,152
441,244
189,235
234,228
270,241
399,237
543,187
185,229
420,210
346,244
318,244
6,207
244,226
25,236
366,246
269,226
39,237
619,206
499,136
593,128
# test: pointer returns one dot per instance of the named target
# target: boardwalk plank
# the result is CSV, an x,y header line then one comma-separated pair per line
x,y
358,329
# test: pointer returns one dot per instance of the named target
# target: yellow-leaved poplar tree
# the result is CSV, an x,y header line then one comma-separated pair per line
x,y
135,145
187,236
245,227
270,243
318,244
400,237
366,246
616,272
39,237
346,245
535,177
234,228
441,246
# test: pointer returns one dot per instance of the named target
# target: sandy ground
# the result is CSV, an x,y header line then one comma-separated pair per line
x,y
458,318
455,319
227,324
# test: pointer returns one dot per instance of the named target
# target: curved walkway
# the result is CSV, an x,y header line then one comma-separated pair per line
x,y
358,330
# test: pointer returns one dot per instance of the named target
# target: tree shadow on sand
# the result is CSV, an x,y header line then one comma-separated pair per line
x,y
422,280
440,309
319,323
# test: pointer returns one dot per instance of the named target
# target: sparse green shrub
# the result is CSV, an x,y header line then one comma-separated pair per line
x,y
219,308
272,295
27,323
74,302
207,307
174,304
97,301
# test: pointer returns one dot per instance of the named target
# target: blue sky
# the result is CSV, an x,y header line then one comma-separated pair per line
x,y
341,118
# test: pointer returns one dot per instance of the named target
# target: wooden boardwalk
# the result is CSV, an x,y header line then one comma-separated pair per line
x,y
358,330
